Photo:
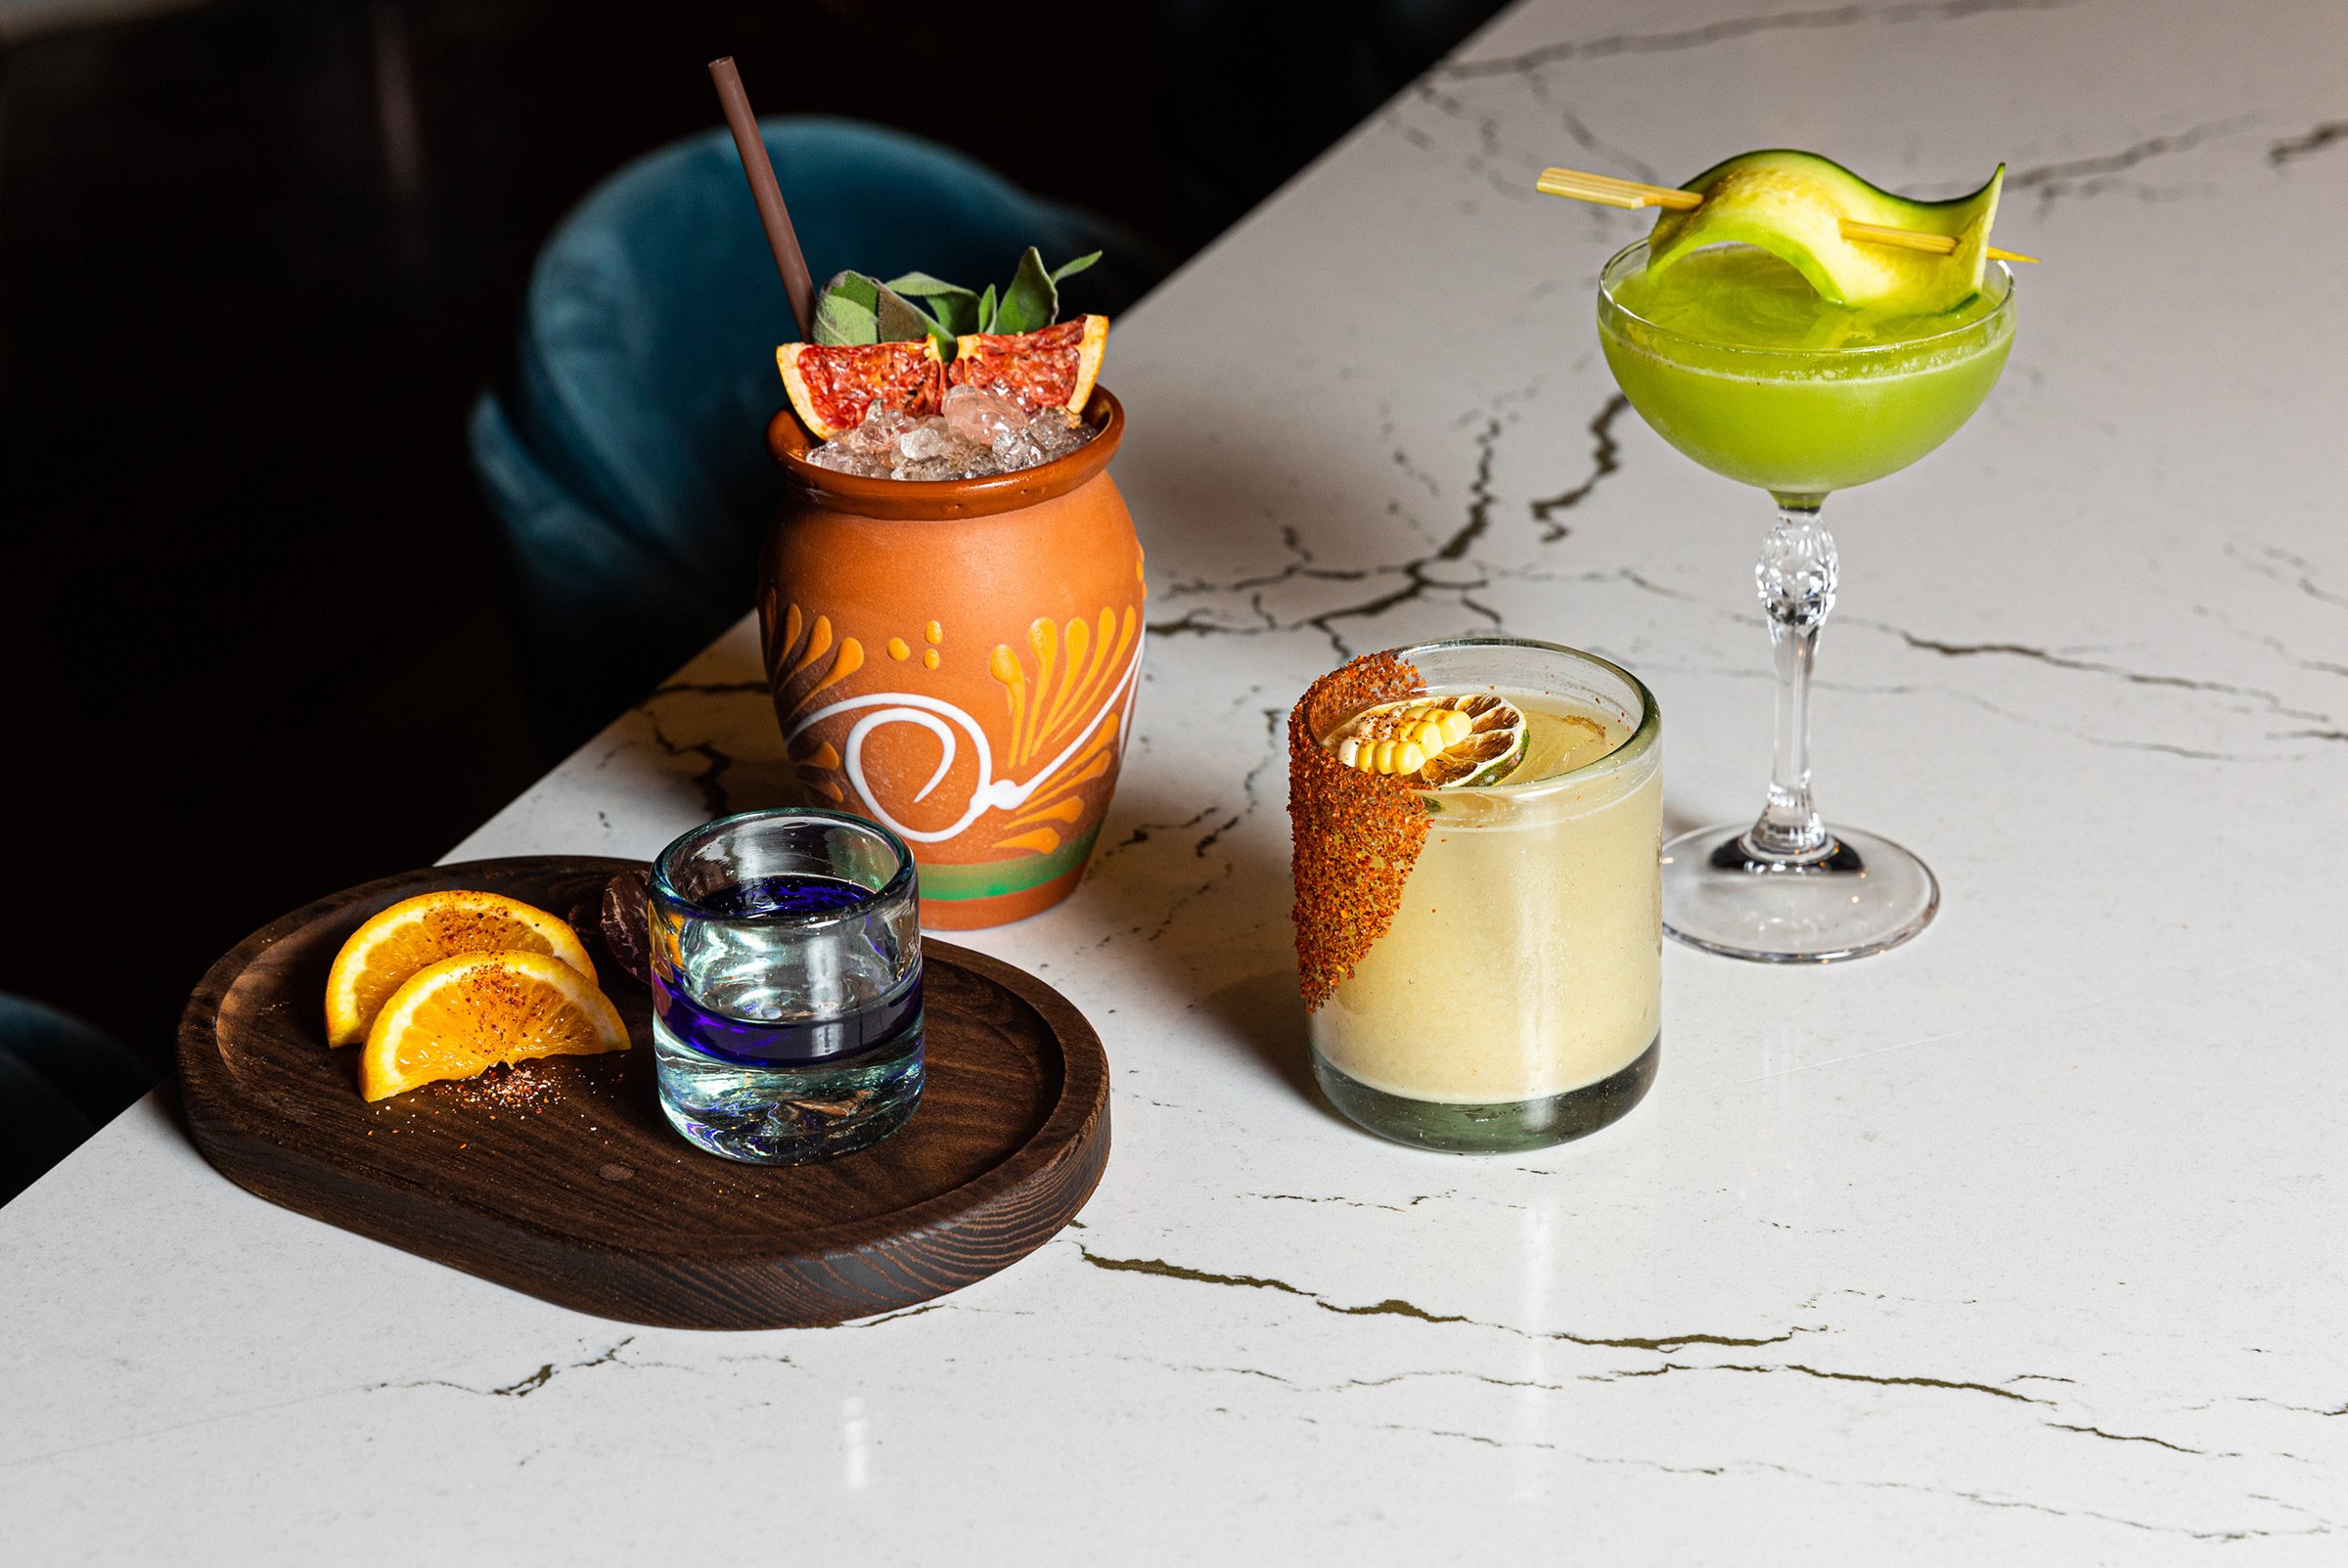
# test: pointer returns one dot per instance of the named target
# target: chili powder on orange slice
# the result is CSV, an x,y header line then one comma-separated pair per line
x,y
1355,835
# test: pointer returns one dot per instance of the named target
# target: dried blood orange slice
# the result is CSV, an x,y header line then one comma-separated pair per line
x,y
832,384
1051,367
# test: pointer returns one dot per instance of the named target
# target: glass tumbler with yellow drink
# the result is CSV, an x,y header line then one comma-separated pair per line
x,y
1477,911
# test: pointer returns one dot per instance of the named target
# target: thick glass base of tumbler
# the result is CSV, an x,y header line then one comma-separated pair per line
x,y
787,1115
1506,1128
1870,895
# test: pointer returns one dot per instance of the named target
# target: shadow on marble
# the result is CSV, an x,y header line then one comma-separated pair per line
x,y
1369,555
710,731
1163,863
1265,1016
1677,822
1202,902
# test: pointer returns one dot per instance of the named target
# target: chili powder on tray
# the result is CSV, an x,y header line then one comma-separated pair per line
x,y
1355,835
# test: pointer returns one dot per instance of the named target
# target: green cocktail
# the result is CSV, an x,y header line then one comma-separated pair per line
x,y
1737,359
1734,359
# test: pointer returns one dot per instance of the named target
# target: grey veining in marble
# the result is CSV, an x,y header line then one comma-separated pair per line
x,y
2021,1244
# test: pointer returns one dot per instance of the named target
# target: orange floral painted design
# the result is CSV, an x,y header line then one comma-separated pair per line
x,y
1067,696
809,664
1074,665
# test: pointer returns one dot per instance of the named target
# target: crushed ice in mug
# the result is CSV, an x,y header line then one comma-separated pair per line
x,y
980,431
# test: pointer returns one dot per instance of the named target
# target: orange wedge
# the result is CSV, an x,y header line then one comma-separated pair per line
x,y
382,955
461,1017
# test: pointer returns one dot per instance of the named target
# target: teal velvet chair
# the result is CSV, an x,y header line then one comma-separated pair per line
x,y
624,456
60,1080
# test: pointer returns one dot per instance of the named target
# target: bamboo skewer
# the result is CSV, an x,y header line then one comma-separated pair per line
x,y
1607,191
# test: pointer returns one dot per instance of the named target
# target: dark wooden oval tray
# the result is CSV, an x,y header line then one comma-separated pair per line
x,y
564,1180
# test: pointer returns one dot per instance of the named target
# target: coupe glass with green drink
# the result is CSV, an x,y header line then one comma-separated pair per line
x,y
1756,337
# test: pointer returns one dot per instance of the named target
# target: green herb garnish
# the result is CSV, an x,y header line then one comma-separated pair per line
x,y
854,308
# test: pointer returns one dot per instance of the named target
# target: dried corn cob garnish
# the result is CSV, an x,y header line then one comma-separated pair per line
x,y
1441,743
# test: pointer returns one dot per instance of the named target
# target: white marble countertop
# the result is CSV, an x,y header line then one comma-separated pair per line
x,y
2024,1243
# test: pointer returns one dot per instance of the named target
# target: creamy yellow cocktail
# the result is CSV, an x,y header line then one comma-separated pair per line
x,y
1525,959
1514,997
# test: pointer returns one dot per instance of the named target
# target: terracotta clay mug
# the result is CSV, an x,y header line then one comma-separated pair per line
x,y
958,659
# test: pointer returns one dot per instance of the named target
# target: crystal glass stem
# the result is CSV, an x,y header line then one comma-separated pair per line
x,y
1796,578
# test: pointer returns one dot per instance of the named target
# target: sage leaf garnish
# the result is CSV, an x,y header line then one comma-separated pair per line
x,y
1031,300
953,310
900,320
847,310
854,308
919,286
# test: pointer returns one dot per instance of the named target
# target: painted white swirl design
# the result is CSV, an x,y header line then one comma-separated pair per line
x,y
931,714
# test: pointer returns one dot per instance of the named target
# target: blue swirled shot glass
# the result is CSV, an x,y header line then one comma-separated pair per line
x,y
787,985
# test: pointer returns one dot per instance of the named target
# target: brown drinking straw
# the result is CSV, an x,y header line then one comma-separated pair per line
x,y
797,283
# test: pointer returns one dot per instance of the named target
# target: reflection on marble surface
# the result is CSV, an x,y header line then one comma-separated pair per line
x,y
2024,1239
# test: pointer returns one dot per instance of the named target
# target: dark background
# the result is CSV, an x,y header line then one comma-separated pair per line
x,y
257,257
